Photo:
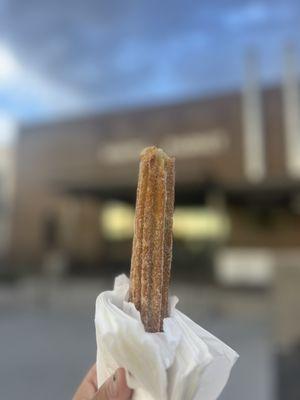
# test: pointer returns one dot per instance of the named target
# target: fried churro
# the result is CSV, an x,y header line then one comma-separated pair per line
x,y
152,242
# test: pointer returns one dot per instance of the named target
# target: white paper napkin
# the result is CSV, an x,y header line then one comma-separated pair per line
x,y
184,362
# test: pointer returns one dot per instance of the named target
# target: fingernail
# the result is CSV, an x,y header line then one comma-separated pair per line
x,y
113,385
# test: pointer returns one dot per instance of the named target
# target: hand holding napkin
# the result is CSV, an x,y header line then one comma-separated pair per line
x,y
184,362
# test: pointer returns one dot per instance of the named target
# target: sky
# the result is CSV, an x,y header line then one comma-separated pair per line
x,y
63,57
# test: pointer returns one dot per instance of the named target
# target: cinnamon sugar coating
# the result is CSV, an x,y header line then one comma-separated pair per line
x,y
152,242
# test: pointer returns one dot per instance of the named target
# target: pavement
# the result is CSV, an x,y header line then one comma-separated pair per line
x,y
47,339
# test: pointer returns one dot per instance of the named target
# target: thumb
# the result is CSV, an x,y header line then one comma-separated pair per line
x,y
115,388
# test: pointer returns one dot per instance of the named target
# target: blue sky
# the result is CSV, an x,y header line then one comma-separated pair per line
x,y
69,56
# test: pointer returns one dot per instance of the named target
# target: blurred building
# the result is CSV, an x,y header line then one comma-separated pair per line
x,y
237,180
7,176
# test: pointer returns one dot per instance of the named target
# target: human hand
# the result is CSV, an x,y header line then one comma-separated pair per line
x,y
115,388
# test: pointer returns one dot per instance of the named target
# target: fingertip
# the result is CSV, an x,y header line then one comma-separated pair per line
x,y
115,388
124,392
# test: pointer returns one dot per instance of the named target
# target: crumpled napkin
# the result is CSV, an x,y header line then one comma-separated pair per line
x,y
184,362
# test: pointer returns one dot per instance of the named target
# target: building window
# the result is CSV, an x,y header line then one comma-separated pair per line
x,y
201,223
190,223
116,221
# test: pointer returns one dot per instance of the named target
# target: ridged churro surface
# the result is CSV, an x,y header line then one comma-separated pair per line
x,y
152,242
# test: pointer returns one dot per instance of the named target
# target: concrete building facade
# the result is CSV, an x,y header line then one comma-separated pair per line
x,y
66,170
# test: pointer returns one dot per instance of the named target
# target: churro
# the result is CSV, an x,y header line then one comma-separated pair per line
x,y
152,242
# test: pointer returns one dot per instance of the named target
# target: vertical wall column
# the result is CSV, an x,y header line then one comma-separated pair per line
x,y
253,125
291,107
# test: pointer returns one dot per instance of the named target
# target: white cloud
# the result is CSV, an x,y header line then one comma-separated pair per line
x,y
23,85
9,67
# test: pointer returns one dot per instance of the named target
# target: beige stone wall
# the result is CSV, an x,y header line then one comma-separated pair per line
x,y
286,300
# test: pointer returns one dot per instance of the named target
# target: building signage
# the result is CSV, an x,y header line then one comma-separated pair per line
x,y
187,145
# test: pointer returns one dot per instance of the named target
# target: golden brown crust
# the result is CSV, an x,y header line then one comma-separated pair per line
x,y
136,258
168,240
157,253
147,244
152,243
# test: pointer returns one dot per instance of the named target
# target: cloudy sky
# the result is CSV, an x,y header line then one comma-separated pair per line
x,y
59,57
